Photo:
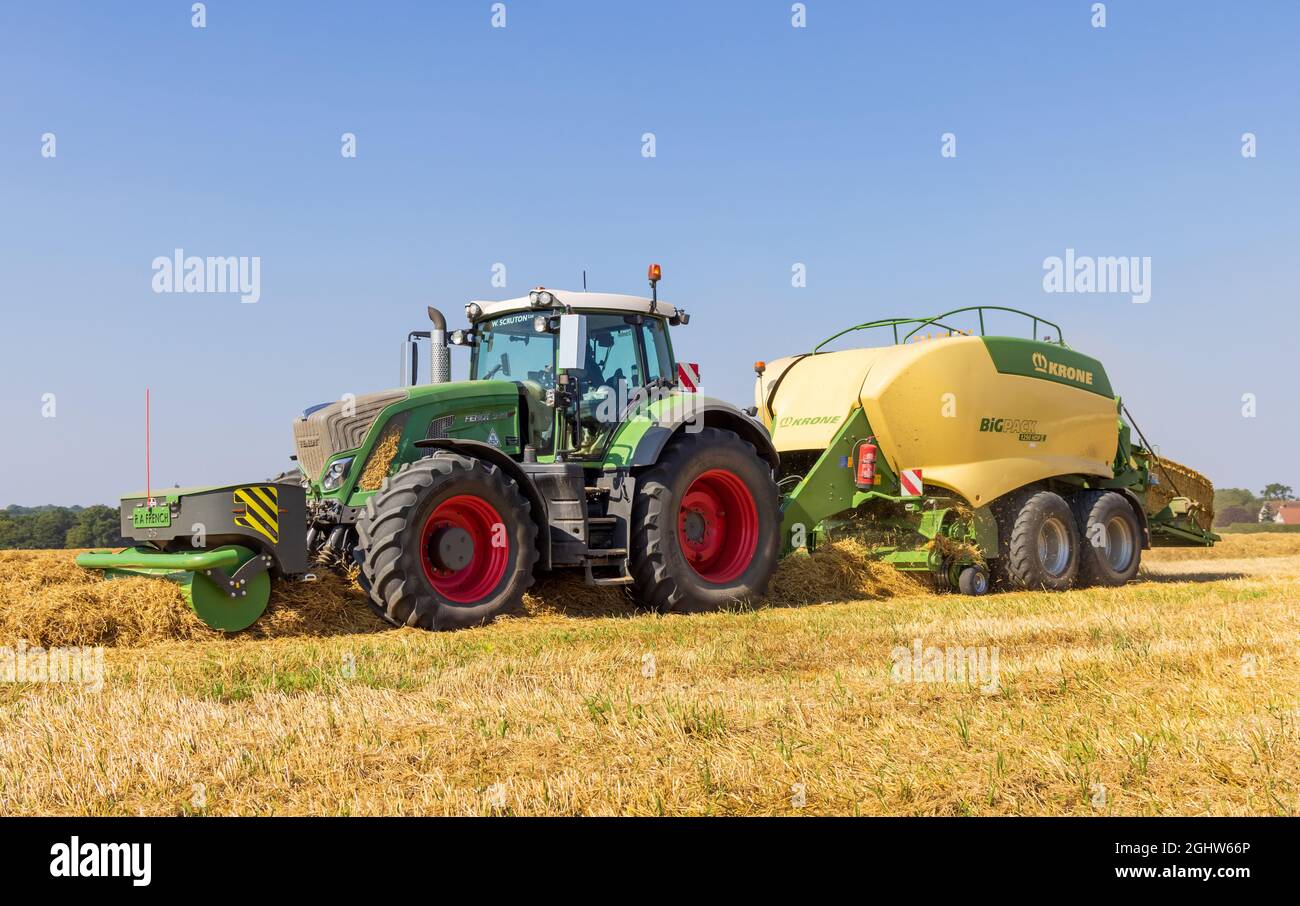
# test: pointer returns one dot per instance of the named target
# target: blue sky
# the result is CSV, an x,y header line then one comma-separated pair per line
x,y
522,145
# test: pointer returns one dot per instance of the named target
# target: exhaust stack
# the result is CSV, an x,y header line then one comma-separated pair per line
x,y
440,354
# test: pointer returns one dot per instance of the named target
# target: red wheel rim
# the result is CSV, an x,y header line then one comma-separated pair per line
x,y
717,526
481,521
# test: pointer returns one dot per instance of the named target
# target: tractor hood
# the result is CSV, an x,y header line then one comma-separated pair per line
x,y
470,410
325,430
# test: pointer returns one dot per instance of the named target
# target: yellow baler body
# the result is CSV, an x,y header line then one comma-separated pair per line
x,y
944,406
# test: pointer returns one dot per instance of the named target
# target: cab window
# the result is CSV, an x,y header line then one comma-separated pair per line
x,y
611,354
658,357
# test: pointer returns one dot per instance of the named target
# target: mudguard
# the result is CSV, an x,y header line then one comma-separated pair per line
x,y
641,439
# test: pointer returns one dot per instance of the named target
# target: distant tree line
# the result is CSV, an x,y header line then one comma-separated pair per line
x,y
53,527
1233,506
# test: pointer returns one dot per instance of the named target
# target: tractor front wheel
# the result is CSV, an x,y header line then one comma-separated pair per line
x,y
706,525
445,543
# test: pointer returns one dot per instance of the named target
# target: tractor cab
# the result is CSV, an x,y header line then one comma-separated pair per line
x,y
581,361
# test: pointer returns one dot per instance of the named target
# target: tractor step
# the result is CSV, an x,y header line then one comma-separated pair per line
x,y
606,553
612,580
599,559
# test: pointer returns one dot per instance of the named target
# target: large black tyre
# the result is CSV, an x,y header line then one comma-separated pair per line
x,y
1110,538
1041,550
412,545
706,525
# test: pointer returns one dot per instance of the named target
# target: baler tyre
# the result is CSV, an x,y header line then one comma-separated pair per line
x,y
1005,511
706,525
973,580
430,547
1043,549
1110,538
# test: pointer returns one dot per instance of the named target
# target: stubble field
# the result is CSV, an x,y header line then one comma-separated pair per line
x,y
1176,695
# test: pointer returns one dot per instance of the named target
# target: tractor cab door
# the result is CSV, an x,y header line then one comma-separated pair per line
x,y
612,367
624,354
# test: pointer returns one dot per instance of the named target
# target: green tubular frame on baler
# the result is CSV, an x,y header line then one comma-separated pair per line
x,y
936,321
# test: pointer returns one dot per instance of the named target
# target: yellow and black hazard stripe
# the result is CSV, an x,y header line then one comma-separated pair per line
x,y
261,510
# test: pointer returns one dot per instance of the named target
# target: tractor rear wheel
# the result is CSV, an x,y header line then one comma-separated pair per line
x,y
1042,549
706,522
1111,542
446,543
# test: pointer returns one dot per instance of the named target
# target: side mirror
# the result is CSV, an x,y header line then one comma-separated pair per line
x,y
410,374
572,354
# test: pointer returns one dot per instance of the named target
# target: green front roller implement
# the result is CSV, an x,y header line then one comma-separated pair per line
x,y
222,545
226,603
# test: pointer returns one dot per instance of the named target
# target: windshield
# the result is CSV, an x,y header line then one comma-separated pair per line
x,y
510,349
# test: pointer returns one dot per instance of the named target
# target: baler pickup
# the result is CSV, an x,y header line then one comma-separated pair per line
x,y
1178,524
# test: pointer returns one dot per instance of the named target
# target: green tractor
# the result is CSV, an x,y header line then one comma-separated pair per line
x,y
577,442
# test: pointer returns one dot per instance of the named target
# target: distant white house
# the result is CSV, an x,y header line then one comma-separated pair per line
x,y
1286,512
1289,513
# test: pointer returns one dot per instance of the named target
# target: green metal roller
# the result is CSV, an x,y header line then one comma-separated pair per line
x,y
211,580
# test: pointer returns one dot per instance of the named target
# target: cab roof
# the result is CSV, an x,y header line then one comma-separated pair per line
x,y
579,301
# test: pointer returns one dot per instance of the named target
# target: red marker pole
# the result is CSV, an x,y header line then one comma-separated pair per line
x,y
148,486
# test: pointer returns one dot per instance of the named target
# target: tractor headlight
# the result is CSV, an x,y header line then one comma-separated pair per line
x,y
335,474
473,311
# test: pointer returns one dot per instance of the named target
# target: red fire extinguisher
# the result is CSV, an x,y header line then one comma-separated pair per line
x,y
866,471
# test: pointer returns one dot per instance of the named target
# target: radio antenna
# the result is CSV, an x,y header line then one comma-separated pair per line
x,y
148,475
